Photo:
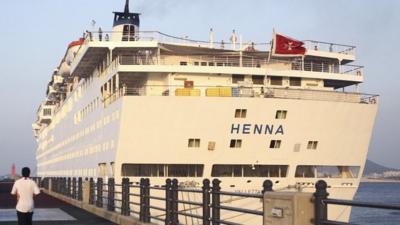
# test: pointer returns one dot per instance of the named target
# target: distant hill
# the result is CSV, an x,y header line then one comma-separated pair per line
x,y
372,167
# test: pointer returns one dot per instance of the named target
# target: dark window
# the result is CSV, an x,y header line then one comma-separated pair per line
x,y
276,81
240,113
295,81
280,114
257,79
237,78
194,143
275,144
312,145
235,143
182,63
248,170
162,170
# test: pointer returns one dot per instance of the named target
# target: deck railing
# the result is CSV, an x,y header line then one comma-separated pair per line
x,y
244,61
241,91
185,40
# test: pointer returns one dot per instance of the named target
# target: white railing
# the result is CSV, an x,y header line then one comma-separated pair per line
x,y
169,39
236,91
330,47
247,61
185,40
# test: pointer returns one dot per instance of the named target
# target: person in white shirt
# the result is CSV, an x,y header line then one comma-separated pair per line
x,y
25,189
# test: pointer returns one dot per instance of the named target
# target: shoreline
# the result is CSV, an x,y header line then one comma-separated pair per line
x,y
379,180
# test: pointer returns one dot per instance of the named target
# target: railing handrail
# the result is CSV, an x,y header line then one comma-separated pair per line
x,y
361,204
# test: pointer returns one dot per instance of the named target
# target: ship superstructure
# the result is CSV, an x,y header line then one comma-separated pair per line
x,y
130,103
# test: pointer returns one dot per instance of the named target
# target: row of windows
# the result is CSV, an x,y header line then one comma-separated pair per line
x,y
162,170
293,81
242,113
89,108
327,171
237,143
256,79
249,170
275,80
81,133
238,170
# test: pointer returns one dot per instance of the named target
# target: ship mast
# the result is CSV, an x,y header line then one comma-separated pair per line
x,y
126,11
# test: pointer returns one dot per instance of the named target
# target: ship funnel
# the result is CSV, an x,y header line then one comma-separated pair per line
x,y
126,25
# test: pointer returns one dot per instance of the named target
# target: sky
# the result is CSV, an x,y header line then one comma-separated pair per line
x,y
34,36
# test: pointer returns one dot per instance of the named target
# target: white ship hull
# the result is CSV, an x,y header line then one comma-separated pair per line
x,y
144,104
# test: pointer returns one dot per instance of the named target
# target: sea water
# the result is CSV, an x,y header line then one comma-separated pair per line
x,y
387,193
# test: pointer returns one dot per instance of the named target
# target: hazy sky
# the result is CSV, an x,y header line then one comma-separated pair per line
x,y
34,35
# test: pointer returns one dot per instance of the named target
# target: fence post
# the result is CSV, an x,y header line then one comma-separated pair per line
x,y
320,208
267,186
216,202
65,185
111,194
74,196
80,188
125,208
146,201
167,201
206,202
99,202
69,187
141,210
174,202
91,191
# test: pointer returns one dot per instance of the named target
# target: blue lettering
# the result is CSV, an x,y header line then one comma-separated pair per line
x,y
257,129
233,128
269,129
246,128
279,130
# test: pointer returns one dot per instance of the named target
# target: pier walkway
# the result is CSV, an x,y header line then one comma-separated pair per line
x,y
48,210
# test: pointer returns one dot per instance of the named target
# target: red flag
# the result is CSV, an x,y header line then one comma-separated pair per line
x,y
283,45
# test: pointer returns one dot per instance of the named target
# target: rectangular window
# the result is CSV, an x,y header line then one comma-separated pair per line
x,y
280,114
162,170
236,78
248,170
257,79
275,144
236,143
276,81
312,145
194,143
203,63
240,113
327,171
46,112
295,81
182,63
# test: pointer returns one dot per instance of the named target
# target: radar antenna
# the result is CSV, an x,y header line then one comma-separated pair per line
x,y
126,11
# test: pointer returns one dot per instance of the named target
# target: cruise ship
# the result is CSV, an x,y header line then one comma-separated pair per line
x,y
133,103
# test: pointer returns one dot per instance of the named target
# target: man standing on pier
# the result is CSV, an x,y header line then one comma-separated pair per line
x,y
25,189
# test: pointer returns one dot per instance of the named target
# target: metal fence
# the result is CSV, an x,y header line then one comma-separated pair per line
x,y
123,197
321,202
120,198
